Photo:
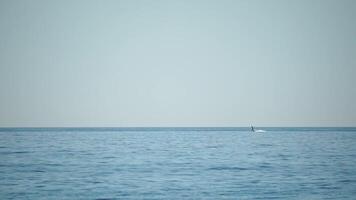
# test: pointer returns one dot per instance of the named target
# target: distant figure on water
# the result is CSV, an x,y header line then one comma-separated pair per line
x,y
257,131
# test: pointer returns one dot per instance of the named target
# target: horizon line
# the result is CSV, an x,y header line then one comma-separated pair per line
x,y
74,127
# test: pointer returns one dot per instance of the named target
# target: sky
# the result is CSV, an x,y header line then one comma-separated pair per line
x,y
177,63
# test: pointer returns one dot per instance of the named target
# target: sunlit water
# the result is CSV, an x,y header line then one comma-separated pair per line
x,y
230,163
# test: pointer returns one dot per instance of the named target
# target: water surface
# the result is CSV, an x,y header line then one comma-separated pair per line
x,y
177,163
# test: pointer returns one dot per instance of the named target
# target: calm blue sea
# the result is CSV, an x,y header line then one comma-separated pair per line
x,y
177,163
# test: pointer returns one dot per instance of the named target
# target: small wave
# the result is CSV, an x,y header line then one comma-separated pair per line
x,y
96,182
347,181
14,152
54,164
109,157
260,131
38,170
264,166
229,168
214,146
21,152
265,145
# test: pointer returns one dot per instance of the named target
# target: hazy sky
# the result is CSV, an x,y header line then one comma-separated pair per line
x,y
178,63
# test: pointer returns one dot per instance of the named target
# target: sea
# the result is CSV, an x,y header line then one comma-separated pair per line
x,y
177,163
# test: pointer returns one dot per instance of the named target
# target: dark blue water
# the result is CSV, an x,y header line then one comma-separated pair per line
x,y
177,163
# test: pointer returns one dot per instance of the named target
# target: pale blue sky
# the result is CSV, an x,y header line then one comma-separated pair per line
x,y
178,63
